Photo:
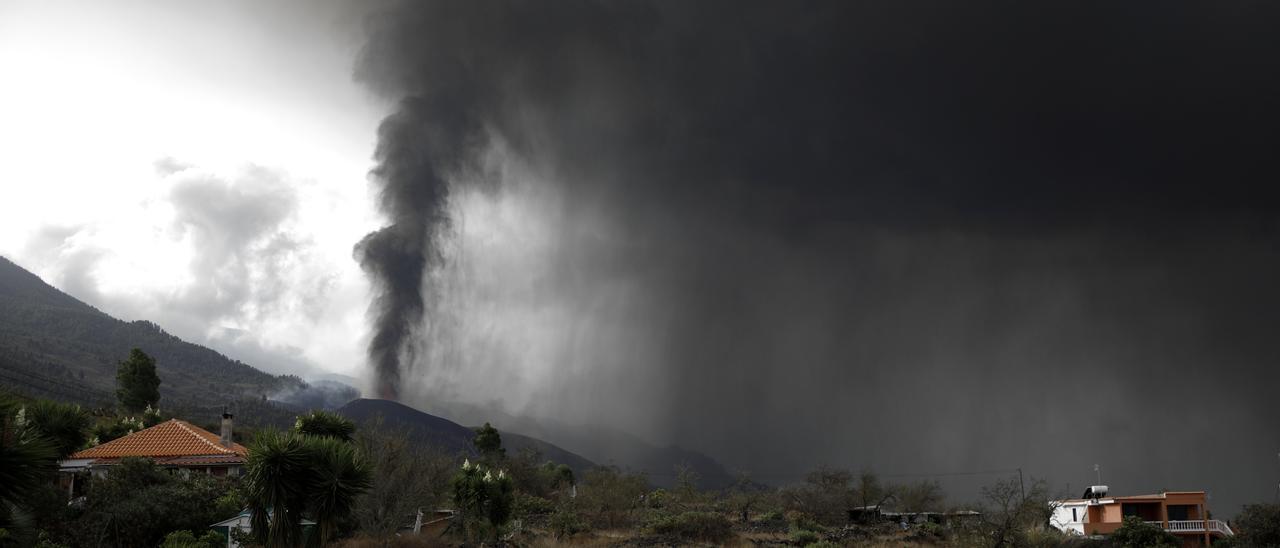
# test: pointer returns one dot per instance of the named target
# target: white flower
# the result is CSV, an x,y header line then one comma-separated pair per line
x,y
502,474
466,464
488,477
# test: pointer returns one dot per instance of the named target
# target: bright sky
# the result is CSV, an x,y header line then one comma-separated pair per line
x,y
198,164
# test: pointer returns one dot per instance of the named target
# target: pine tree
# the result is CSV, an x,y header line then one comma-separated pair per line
x,y
137,385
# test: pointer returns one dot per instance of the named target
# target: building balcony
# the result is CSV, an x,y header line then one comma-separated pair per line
x,y
1195,526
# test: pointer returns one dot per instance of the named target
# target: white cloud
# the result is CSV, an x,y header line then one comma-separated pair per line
x,y
130,138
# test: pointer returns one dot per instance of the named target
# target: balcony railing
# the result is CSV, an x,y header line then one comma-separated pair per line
x,y
1195,526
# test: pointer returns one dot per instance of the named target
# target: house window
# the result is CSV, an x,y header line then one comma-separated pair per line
x,y
1178,512
1074,518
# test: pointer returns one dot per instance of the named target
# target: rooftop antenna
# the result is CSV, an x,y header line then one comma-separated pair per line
x,y
1097,469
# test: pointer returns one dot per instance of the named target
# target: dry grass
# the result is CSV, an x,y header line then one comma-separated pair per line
x,y
421,541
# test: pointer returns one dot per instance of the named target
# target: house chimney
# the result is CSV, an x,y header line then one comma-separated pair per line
x,y
225,440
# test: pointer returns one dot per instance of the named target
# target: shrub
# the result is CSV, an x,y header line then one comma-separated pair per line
x,y
185,539
609,496
773,516
801,522
113,429
1259,525
1135,533
138,503
804,537
529,505
565,523
706,526
822,544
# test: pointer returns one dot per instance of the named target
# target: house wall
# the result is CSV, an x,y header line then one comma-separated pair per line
x,y
1111,513
1063,519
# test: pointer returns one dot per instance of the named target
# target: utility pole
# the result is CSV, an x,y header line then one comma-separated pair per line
x,y
1022,488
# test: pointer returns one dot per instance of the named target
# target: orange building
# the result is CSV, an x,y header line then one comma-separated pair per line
x,y
1183,513
174,444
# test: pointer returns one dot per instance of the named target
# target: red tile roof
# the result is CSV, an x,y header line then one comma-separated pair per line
x,y
172,438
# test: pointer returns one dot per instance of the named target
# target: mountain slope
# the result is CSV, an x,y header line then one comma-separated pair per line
x,y
53,345
450,436
602,445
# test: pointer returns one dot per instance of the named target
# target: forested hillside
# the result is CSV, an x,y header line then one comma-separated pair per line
x,y
54,345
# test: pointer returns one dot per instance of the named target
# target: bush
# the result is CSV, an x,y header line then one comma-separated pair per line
x,y
801,522
1135,533
609,496
804,537
1259,525
565,523
113,429
138,503
822,544
185,539
706,526
773,516
529,505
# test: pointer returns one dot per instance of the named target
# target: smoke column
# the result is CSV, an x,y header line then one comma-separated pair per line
x,y
418,147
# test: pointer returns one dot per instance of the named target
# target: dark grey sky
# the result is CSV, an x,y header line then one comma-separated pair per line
x,y
906,236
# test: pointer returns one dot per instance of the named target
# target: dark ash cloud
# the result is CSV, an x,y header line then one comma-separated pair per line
x,y
922,235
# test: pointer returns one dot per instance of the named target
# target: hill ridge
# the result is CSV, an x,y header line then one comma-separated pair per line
x,y
53,344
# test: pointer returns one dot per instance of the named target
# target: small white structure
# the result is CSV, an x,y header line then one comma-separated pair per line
x,y
1069,516
243,522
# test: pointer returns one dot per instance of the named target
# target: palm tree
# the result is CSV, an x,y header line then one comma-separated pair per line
x,y
27,461
276,485
292,475
65,425
341,475
325,424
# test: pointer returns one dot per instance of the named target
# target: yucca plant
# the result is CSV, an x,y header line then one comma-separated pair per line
x,y
292,475
341,474
63,424
27,461
278,475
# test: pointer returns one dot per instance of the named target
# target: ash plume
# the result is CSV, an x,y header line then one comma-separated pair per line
x,y
419,147
953,231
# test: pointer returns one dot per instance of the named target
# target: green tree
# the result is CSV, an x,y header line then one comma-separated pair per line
x,y
65,425
326,425
489,443
27,462
291,475
1259,525
340,475
137,385
1136,533
276,480
138,503
485,498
